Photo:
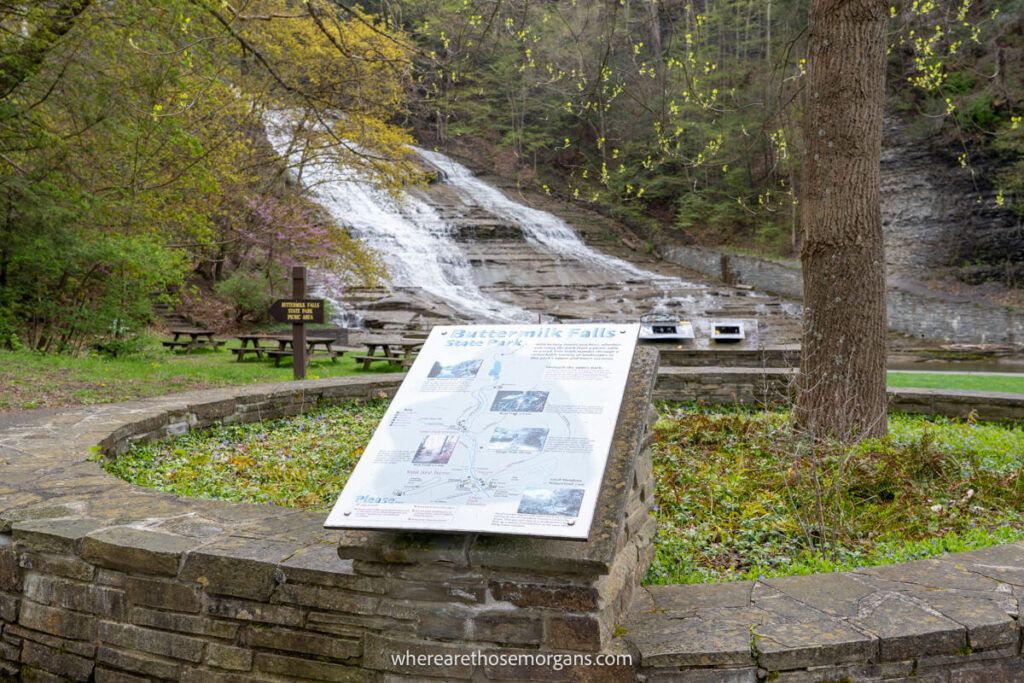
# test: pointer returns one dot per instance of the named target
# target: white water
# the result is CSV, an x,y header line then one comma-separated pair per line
x,y
416,244
411,238
539,227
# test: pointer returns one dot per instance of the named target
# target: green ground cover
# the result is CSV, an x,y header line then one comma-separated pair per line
x,y
35,380
301,462
939,380
738,496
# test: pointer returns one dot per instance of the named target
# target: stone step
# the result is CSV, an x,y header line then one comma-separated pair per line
x,y
474,231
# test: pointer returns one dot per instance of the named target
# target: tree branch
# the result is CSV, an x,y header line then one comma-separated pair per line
x,y
20,65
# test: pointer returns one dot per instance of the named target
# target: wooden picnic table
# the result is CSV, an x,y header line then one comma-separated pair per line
x,y
196,339
284,341
395,350
250,343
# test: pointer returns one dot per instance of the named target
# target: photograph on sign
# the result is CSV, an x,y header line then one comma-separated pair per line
x,y
501,429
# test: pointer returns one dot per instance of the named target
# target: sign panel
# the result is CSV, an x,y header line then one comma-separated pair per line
x,y
500,429
298,310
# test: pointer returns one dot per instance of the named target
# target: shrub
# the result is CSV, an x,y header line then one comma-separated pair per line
x,y
249,292
66,288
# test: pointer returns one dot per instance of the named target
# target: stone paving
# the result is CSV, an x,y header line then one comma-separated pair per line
x,y
946,619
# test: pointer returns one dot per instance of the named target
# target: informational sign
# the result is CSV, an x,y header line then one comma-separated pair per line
x,y
298,311
500,429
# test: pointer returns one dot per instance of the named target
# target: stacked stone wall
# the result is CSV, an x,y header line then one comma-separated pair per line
x,y
768,377
103,581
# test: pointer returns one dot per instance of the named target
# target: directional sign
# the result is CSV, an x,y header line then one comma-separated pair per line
x,y
298,311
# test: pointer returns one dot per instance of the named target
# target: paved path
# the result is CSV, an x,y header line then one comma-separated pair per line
x,y
13,418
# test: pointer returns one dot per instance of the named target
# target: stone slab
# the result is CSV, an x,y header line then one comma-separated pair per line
x,y
788,645
664,641
136,550
907,630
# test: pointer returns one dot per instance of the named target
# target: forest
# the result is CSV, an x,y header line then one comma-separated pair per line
x,y
686,115
135,165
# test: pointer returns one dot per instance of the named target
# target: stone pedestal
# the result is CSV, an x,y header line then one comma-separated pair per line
x,y
458,594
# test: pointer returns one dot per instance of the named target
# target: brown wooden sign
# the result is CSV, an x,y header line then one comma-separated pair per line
x,y
298,311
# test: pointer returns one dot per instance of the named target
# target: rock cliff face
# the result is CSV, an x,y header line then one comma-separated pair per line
x,y
463,249
941,221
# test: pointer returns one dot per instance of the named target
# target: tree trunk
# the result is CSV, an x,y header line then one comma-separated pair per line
x,y
842,368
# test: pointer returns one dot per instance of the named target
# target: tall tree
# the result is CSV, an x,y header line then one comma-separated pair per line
x,y
842,369
134,150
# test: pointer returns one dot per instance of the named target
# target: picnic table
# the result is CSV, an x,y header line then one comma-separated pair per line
x,y
284,341
250,343
197,338
395,350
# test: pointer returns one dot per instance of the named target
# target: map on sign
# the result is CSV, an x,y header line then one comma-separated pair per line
x,y
497,428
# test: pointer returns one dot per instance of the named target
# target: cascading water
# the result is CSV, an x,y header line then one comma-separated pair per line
x,y
554,234
539,227
412,239
463,251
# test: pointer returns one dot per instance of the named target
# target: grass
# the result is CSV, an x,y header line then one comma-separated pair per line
x,y
966,382
300,462
738,495
34,380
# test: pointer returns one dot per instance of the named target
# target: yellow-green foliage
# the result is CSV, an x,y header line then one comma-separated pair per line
x,y
685,110
135,128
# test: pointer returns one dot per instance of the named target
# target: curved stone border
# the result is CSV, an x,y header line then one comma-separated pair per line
x,y
100,578
771,385
954,618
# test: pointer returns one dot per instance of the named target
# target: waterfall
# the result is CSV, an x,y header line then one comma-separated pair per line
x,y
552,272
555,235
539,227
413,241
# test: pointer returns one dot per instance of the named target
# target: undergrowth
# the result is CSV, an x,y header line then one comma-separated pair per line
x,y
739,494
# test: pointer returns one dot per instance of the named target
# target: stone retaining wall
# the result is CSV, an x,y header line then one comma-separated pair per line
x,y
949,620
769,386
101,580
783,356
911,309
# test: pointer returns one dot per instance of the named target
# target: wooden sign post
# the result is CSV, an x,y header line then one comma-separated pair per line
x,y
299,328
298,311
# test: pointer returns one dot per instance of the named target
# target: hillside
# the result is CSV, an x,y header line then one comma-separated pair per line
x,y
683,121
